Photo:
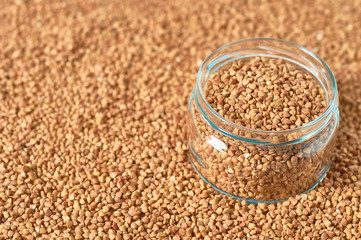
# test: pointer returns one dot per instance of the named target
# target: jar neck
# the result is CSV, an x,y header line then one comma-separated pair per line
x,y
267,48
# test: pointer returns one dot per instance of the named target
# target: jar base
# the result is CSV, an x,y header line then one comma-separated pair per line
x,y
194,158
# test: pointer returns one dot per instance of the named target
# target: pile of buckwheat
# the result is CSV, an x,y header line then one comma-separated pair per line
x,y
93,99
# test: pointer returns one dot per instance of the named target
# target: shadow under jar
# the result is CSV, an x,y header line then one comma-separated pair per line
x,y
253,164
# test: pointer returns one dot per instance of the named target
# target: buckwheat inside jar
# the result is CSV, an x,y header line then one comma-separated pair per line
x,y
265,93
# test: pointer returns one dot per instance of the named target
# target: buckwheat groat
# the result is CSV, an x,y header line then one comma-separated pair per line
x,y
93,98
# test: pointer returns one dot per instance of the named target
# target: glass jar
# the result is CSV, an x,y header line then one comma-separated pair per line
x,y
257,165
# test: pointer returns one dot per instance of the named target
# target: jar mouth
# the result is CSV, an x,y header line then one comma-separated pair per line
x,y
308,128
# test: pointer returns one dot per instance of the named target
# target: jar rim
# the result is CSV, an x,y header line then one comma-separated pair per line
x,y
331,105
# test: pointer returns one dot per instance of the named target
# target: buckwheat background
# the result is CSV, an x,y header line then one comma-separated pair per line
x,y
93,100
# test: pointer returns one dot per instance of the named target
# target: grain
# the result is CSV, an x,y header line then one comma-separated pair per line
x,y
64,62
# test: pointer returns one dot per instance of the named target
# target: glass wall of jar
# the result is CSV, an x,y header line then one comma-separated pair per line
x,y
257,165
